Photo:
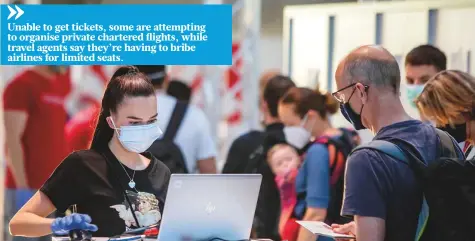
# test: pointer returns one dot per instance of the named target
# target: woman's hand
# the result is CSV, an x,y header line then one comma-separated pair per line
x,y
348,228
75,221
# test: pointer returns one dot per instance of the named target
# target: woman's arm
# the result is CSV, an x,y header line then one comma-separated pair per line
x,y
59,192
30,220
311,214
318,188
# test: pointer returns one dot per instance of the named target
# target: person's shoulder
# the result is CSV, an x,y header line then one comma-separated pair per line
x,y
249,136
82,157
25,78
27,75
317,148
316,154
366,157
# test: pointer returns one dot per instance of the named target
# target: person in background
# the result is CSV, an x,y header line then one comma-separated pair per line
x,y
102,180
246,151
194,134
448,99
381,193
179,90
80,128
421,64
246,144
319,183
263,80
35,118
284,162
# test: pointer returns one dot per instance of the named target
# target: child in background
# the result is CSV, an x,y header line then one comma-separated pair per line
x,y
284,162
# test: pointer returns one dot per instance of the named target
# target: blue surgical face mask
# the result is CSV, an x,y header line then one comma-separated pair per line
x,y
412,92
138,138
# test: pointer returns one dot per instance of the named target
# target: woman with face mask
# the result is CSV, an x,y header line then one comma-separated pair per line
x,y
448,99
319,182
101,182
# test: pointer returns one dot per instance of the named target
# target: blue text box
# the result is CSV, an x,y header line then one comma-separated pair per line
x,y
116,34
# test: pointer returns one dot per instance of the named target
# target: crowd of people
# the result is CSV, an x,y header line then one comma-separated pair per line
x,y
145,129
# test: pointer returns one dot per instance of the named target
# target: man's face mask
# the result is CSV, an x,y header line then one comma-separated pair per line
x,y
350,115
138,138
412,92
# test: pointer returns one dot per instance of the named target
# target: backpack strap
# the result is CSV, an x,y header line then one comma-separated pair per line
x,y
448,148
386,147
175,121
335,157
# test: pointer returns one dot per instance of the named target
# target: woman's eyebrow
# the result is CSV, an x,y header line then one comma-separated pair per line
x,y
134,118
154,116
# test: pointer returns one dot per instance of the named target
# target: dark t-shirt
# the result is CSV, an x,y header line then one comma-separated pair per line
x,y
85,178
377,185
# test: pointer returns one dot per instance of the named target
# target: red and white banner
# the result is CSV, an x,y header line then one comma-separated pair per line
x,y
234,89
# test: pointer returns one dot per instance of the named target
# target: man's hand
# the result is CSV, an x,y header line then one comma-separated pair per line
x,y
348,228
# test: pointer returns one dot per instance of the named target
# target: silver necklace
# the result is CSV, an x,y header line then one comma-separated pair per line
x,y
132,182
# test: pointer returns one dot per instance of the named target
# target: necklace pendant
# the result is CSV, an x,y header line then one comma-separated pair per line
x,y
132,184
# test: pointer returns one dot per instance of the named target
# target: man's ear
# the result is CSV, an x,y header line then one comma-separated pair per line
x,y
362,92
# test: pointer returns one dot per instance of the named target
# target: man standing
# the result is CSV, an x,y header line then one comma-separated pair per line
x,y
35,117
421,64
380,192
245,148
194,137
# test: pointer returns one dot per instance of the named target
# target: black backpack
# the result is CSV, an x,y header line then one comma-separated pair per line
x,y
266,219
448,184
165,149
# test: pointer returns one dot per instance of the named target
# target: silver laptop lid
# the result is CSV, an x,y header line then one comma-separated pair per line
x,y
205,206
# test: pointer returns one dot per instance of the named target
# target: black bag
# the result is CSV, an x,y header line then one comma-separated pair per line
x,y
448,184
165,149
266,219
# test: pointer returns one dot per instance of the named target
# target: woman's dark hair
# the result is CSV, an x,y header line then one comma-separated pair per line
x,y
275,88
306,99
127,81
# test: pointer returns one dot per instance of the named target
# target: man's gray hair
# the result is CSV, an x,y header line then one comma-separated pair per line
x,y
377,72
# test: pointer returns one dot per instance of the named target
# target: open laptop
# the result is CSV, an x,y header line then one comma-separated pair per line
x,y
209,207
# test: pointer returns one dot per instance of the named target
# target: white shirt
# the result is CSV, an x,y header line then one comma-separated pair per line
x,y
193,136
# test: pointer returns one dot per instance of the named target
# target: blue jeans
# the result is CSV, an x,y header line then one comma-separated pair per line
x,y
10,210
